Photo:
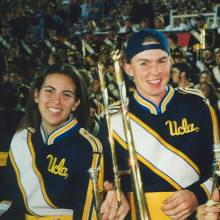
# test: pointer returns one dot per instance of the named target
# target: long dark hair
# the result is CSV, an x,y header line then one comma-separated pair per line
x,y
32,117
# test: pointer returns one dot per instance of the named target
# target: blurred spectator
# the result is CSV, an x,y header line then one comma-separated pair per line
x,y
10,118
173,43
75,10
127,27
209,91
84,6
53,59
142,11
216,70
179,24
15,78
20,24
159,22
205,76
207,61
181,75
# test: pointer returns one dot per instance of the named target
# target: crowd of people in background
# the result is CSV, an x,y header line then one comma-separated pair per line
x,y
37,34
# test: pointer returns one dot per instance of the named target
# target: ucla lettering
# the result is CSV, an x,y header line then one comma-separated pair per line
x,y
184,128
57,168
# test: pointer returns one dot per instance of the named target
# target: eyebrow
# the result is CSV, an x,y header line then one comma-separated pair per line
x,y
144,59
51,87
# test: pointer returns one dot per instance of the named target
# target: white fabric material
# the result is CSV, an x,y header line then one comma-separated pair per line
x,y
161,157
29,179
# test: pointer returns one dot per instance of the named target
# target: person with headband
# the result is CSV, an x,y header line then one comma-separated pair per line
x,y
172,131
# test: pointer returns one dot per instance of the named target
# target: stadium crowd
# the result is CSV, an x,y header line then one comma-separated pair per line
x,y
37,34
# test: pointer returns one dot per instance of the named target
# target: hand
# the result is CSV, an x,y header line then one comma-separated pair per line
x,y
206,212
180,205
110,209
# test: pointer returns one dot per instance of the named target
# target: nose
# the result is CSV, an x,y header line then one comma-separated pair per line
x,y
56,98
155,69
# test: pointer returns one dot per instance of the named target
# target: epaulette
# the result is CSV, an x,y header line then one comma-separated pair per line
x,y
194,92
191,91
96,144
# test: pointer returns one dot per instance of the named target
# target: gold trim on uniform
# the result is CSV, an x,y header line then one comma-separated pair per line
x,y
30,217
60,131
97,152
19,182
3,159
42,185
149,165
167,145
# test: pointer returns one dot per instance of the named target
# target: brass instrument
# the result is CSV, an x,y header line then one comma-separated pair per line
x,y
216,171
110,133
216,164
93,173
139,196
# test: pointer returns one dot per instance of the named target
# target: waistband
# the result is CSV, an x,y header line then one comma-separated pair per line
x,y
31,217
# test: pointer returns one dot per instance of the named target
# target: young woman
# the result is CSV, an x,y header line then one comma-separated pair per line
x,y
51,153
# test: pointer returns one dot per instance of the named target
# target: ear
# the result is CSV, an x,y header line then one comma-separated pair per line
x,y
36,95
127,68
76,104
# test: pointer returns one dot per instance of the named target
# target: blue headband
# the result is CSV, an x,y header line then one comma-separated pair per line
x,y
135,43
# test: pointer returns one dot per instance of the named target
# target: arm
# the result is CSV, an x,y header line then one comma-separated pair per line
x,y
184,202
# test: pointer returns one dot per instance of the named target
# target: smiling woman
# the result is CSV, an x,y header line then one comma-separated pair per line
x,y
45,172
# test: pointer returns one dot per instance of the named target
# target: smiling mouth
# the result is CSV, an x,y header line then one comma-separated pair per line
x,y
154,82
55,110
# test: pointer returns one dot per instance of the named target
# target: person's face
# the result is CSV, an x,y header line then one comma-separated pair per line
x,y
14,78
175,74
51,60
207,54
204,78
217,58
151,72
56,99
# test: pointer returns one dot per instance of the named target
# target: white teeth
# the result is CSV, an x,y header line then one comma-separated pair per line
x,y
154,81
54,109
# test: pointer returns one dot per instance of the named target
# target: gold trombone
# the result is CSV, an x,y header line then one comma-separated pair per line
x,y
216,163
142,211
216,150
139,196
110,133
94,172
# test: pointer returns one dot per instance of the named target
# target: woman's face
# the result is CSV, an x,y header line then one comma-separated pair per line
x,y
56,99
